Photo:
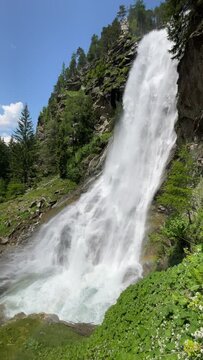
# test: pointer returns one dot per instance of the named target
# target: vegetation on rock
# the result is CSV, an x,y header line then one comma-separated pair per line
x,y
181,197
23,210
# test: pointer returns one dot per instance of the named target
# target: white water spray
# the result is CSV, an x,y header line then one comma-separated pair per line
x,y
85,256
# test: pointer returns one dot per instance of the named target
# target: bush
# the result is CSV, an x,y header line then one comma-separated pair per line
x,y
76,165
178,188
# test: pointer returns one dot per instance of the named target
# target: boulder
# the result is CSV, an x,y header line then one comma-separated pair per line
x,y
8,223
33,204
4,240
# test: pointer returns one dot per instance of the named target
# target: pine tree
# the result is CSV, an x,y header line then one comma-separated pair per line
x,y
24,136
82,59
61,82
94,49
109,36
4,160
62,154
73,66
121,13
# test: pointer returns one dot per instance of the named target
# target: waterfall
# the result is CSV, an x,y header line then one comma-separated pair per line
x,y
81,260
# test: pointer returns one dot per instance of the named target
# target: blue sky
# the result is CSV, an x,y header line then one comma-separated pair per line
x,y
36,36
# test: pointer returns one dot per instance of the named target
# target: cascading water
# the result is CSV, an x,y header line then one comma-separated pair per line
x,y
83,258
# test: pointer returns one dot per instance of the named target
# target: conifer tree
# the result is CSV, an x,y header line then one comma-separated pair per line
x,y
82,60
121,13
4,160
94,49
24,136
73,66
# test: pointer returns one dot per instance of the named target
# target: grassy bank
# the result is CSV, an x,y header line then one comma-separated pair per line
x,y
26,209
34,338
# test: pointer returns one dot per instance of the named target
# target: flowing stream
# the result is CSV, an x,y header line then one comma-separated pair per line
x,y
83,258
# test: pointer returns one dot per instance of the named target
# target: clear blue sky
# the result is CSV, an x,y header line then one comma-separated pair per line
x,y
36,36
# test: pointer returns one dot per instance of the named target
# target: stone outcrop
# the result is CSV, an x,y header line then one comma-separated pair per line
x,y
190,88
105,81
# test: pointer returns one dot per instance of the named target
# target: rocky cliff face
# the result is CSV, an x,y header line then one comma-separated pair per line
x,y
105,81
190,88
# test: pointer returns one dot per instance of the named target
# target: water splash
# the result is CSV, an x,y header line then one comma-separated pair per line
x,y
84,257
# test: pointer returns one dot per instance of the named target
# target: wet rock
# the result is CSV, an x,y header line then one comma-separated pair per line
x,y
52,203
50,318
41,203
19,316
57,192
4,240
161,209
8,223
33,204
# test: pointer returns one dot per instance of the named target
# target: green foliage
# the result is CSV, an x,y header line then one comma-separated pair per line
x,y
121,14
77,165
24,132
181,180
34,339
75,129
153,319
2,190
47,153
182,195
98,71
109,36
161,15
25,156
73,66
61,82
15,189
17,208
4,160
64,131
195,230
81,59
140,20
78,118
94,49
176,228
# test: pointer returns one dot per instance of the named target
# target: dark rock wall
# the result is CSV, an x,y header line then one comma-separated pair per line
x,y
190,88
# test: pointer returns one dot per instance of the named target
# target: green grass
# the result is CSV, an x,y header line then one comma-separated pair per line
x,y
32,338
18,210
